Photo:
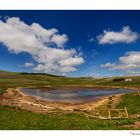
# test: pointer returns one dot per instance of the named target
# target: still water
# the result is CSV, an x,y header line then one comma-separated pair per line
x,y
72,95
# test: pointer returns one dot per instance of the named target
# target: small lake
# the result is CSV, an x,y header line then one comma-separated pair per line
x,y
72,95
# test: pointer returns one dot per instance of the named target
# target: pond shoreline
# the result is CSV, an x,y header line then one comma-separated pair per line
x,y
85,86
16,98
73,95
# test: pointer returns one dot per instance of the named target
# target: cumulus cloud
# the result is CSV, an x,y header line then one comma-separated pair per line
x,y
27,64
59,40
126,35
131,60
71,61
46,46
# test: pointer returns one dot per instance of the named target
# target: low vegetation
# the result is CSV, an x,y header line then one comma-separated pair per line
x,y
15,119
132,102
118,79
2,90
13,79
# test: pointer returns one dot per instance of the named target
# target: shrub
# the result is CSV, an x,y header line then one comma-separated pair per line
x,y
2,90
118,79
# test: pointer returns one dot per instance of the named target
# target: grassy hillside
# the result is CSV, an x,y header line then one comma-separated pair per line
x,y
12,79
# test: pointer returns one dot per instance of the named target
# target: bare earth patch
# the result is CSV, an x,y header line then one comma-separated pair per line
x,y
116,100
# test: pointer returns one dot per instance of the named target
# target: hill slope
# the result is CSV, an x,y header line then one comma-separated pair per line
x,y
13,79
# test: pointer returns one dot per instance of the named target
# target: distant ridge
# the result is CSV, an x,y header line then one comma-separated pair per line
x,y
27,73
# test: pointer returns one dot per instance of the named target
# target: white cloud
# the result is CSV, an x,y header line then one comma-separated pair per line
x,y
71,61
39,42
91,40
67,69
27,64
59,40
107,65
126,35
130,61
132,57
134,73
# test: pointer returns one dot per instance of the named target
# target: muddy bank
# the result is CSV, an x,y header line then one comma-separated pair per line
x,y
16,98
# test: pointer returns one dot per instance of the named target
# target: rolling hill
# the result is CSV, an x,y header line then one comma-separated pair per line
x,y
14,79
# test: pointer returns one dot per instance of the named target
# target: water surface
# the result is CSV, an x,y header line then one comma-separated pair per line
x,y
72,95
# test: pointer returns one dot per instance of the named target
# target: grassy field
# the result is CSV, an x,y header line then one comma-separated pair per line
x,y
11,118
13,79
132,102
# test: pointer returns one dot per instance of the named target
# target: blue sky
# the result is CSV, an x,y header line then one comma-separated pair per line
x,y
72,43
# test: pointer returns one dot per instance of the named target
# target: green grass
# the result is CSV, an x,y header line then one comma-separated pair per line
x,y
132,102
13,119
2,90
13,79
